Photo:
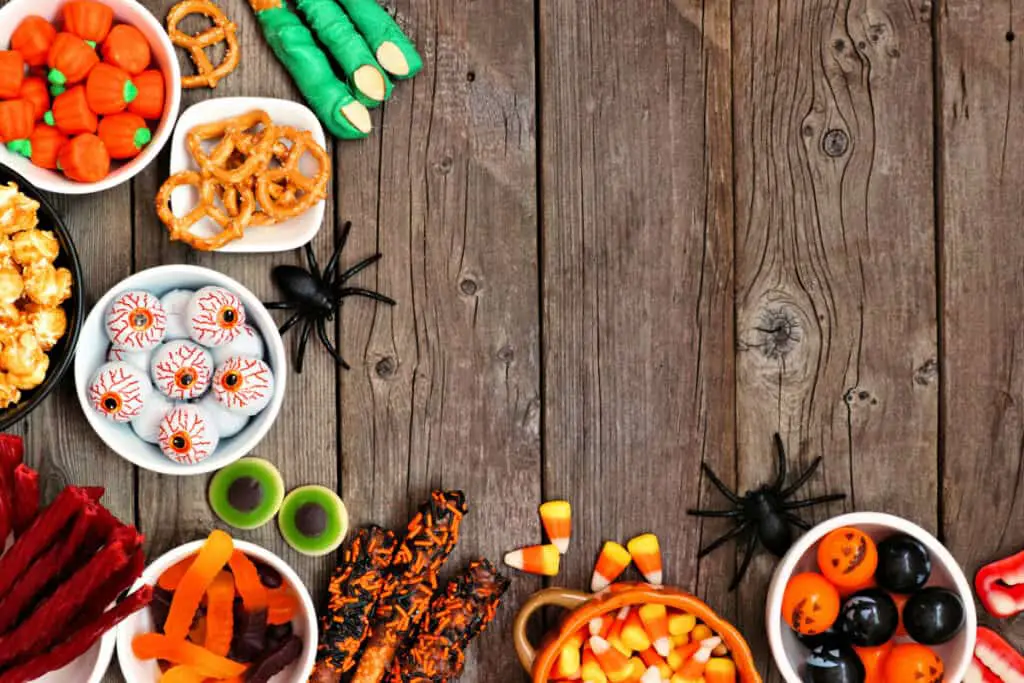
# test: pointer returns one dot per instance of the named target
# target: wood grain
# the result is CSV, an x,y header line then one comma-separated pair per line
x,y
981,67
835,278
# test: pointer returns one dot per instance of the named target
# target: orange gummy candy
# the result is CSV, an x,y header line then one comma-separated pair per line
x,y
170,579
182,674
281,606
248,583
220,614
210,560
176,651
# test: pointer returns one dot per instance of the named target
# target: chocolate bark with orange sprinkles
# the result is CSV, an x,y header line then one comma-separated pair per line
x,y
405,598
355,586
456,617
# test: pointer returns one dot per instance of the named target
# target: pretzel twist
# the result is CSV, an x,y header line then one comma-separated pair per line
x,y
223,29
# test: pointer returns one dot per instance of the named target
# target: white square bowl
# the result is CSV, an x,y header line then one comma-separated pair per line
x,y
283,236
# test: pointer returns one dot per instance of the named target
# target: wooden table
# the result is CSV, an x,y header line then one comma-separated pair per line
x,y
627,238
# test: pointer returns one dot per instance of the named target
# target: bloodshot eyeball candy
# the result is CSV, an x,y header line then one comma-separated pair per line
x,y
119,391
186,435
214,316
182,370
136,321
243,385
175,303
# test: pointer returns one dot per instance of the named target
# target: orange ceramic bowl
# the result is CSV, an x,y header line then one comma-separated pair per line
x,y
585,607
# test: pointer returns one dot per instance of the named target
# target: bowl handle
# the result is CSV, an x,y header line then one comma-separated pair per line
x,y
557,597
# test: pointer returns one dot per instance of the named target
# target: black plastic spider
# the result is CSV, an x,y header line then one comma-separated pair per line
x,y
763,514
315,296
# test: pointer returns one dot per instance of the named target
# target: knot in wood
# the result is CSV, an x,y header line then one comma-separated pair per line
x,y
506,354
468,286
778,332
835,142
444,167
927,373
386,367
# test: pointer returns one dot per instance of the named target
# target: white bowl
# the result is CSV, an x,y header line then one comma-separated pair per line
x,y
283,236
304,624
126,12
92,352
790,654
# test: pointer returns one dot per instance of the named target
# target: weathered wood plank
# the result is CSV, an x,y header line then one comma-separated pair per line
x,y
835,278
444,389
637,276
981,67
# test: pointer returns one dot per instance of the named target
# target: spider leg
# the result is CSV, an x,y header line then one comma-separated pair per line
x,y
280,305
307,326
359,267
724,538
801,480
369,294
748,555
780,468
719,485
290,323
321,332
797,504
314,267
715,513
332,264
796,521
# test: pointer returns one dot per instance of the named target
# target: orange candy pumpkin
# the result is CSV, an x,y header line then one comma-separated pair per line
x,y
87,19
70,61
12,72
33,38
149,102
71,112
913,662
124,134
108,90
17,119
810,604
42,147
126,48
848,558
84,158
34,90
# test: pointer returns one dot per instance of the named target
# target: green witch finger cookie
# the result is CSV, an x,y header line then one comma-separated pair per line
x,y
394,51
331,25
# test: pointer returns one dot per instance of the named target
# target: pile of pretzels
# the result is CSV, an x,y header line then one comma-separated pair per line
x,y
250,177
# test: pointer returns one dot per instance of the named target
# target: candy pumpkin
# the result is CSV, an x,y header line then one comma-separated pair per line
x,y
87,19
108,90
70,60
149,102
34,90
126,48
124,134
71,112
17,119
84,158
42,147
12,72
33,38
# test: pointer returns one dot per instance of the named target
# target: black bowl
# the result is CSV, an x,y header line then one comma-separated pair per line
x,y
63,353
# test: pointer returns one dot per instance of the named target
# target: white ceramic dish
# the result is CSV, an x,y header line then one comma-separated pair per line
x,y
284,236
787,650
127,12
305,623
92,350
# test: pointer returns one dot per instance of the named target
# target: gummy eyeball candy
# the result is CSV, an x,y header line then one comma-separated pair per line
x,y
139,359
186,435
136,321
119,391
147,424
175,304
228,423
214,316
182,369
248,343
243,385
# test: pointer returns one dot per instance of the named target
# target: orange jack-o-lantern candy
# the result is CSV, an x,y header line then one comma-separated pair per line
x,y
873,659
810,604
913,662
848,558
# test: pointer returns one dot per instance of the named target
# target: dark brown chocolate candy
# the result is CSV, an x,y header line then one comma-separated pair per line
x,y
311,520
160,607
250,637
245,494
270,577
274,661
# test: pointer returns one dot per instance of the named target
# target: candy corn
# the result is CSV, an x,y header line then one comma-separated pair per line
x,y
535,559
700,632
556,516
615,632
636,669
655,621
646,553
720,670
681,623
568,663
652,675
600,626
612,561
695,665
615,665
681,654
633,635
652,658
590,670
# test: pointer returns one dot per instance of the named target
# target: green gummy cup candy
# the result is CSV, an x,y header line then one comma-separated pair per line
x,y
313,520
247,493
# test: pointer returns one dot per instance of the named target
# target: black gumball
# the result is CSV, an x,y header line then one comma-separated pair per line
x,y
933,615
829,638
834,664
868,618
903,564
